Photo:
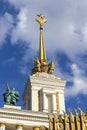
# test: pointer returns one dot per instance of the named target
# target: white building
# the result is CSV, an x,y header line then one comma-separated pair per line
x,y
43,94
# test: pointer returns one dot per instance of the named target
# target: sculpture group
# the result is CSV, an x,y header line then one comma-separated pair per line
x,y
43,67
78,121
11,96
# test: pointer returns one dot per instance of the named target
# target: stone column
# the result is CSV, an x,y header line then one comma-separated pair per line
x,y
45,103
34,99
2,126
19,127
54,103
36,128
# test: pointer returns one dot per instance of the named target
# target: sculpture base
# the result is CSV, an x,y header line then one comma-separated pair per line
x,y
12,107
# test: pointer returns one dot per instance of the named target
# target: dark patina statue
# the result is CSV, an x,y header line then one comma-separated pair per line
x,y
11,96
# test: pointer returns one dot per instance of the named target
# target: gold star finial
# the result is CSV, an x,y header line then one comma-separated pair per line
x,y
41,19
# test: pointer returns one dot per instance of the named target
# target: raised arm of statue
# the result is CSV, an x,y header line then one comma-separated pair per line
x,y
6,95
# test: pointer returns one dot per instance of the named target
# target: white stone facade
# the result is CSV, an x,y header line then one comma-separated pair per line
x,y
13,118
44,92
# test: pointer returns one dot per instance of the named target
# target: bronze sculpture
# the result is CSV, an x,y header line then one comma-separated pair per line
x,y
11,96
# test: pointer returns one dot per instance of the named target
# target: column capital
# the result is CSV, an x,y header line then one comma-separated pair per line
x,y
36,128
2,124
19,127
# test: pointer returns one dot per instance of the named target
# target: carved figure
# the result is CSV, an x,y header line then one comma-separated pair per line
x,y
37,65
71,116
66,121
11,96
77,115
58,122
50,117
66,117
51,67
81,112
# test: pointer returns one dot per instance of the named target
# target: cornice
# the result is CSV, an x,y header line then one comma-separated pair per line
x,y
26,116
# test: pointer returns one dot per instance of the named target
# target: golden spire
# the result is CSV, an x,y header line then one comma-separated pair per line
x,y
41,63
42,53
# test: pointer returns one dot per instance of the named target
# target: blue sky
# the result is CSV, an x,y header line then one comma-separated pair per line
x,y
65,39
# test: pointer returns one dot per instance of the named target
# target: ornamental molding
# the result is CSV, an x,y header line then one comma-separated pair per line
x,y
26,115
49,83
48,77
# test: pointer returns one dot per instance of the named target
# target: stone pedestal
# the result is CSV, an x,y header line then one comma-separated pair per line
x,y
12,107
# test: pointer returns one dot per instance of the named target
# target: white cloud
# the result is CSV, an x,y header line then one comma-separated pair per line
x,y
5,26
79,82
9,60
84,32
27,60
64,31
20,31
24,70
19,3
